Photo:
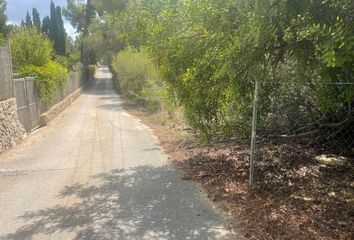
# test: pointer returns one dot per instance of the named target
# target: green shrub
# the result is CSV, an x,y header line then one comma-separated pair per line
x,y
92,71
136,77
2,39
133,70
73,58
29,47
62,60
48,78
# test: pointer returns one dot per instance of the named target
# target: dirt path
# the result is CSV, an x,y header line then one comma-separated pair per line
x,y
98,173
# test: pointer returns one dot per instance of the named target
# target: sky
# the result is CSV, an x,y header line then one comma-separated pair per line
x,y
16,11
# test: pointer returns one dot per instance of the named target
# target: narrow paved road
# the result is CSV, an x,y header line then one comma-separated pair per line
x,y
98,173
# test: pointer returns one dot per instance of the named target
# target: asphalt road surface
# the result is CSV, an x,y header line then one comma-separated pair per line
x,y
98,173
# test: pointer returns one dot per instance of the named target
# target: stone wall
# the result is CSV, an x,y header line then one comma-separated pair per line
x,y
11,130
58,108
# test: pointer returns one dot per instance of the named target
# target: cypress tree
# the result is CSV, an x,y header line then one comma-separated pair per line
x,y
46,25
54,27
28,21
36,19
3,17
62,33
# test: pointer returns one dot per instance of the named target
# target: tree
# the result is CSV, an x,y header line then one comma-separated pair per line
x,y
62,33
210,53
75,12
3,18
46,25
36,18
80,15
30,47
28,21
56,29
32,54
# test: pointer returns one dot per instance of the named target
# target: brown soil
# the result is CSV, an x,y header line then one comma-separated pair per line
x,y
295,196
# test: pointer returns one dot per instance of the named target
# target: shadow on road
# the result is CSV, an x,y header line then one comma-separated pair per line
x,y
141,203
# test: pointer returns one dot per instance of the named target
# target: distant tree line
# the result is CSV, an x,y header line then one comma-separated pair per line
x,y
52,26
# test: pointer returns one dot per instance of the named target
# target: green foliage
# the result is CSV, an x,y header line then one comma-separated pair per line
x,y
62,61
75,13
46,25
92,71
3,17
2,39
56,29
73,58
138,79
5,28
133,70
48,78
28,21
30,47
36,19
210,53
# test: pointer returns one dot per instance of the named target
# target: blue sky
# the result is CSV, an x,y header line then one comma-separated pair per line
x,y
16,10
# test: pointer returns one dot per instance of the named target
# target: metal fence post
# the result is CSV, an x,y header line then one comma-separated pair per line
x,y
253,136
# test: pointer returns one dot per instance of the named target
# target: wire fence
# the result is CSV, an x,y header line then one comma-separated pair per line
x,y
302,151
321,123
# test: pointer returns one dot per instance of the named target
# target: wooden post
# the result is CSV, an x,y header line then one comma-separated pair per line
x,y
253,136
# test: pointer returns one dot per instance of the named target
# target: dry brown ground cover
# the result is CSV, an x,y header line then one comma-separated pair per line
x,y
295,197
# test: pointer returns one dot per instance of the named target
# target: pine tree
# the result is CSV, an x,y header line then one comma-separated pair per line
x,y
36,19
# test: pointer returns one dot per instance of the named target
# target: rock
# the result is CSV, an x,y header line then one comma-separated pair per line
x,y
331,160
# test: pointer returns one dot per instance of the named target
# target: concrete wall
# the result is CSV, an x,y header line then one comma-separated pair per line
x,y
11,130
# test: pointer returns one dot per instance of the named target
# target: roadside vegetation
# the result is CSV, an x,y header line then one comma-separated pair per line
x,y
42,49
209,54
195,65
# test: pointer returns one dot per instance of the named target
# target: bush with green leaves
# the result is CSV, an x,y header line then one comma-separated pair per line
x,y
29,47
2,39
62,60
138,78
92,71
48,78
73,58
32,54
212,52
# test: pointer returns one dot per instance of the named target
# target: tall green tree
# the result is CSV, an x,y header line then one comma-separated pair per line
x,y
54,33
62,33
80,14
36,19
75,13
28,20
3,19
210,53
56,29
46,25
